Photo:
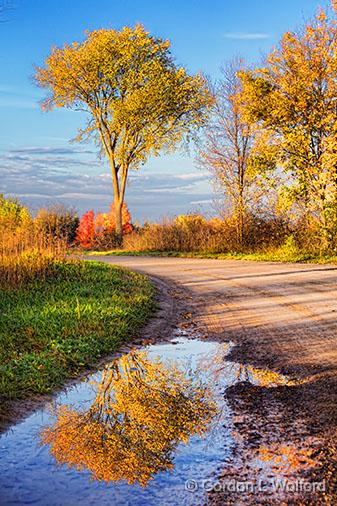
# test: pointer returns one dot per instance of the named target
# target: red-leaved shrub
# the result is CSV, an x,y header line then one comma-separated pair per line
x,y
86,230
99,231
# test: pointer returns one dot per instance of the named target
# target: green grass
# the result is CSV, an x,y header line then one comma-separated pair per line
x,y
280,255
50,330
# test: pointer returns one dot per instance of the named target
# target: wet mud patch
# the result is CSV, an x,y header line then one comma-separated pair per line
x,y
279,456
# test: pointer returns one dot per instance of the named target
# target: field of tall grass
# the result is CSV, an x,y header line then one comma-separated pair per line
x,y
194,233
26,255
28,251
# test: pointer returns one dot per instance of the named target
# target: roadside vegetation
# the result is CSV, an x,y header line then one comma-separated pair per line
x,y
58,315
275,239
277,256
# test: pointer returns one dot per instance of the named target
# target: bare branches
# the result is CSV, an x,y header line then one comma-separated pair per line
x,y
227,146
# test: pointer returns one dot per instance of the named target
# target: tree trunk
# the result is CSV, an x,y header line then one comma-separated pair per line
x,y
118,201
325,239
240,218
119,224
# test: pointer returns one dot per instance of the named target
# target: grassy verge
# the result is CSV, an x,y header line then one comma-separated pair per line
x,y
275,256
52,328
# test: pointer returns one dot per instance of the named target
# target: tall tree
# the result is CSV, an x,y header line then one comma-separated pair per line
x,y
227,148
293,98
139,101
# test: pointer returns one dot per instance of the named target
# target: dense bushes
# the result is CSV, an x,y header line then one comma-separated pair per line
x,y
85,234
12,213
55,228
193,233
26,241
58,221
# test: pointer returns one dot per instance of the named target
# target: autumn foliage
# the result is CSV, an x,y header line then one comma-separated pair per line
x,y
86,230
27,251
292,99
100,230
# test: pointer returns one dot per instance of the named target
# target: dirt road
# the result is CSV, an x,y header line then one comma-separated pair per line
x,y
282,317
288,311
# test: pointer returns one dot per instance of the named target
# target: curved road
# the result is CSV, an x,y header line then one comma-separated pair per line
x,y
281,314
281,317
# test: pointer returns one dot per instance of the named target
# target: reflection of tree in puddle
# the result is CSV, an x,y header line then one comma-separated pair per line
x,y
285,459
262,377
234,372
142,411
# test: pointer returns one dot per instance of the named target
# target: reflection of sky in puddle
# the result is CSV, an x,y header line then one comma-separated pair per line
x,y
229,373
29,474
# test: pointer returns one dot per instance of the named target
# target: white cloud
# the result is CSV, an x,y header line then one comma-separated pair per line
x,y
49,151
204,201
246,35
193,176
41,176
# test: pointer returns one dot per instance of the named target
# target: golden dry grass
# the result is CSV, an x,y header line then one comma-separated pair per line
x,y
27,254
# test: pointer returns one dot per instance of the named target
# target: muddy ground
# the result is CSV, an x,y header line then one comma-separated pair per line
x,y
281,317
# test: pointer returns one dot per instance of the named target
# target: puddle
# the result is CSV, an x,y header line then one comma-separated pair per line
x,y
133,433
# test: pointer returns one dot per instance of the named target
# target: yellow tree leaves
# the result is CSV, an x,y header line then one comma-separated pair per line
x,y
293,98
139,101
142,411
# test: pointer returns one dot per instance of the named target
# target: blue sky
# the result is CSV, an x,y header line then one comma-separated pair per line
x,y
37,162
